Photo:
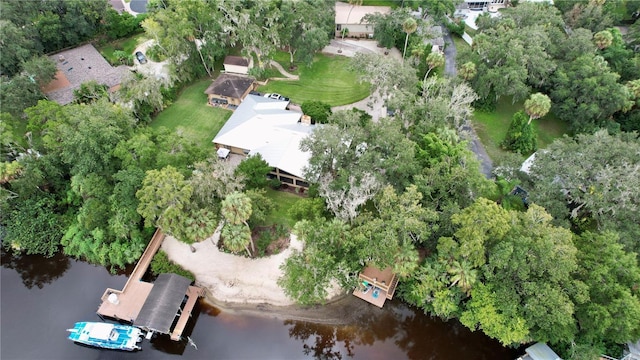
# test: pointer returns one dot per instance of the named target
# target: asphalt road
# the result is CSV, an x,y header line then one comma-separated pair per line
x,y
450,53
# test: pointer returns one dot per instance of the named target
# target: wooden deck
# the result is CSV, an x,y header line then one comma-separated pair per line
x,y
384,281
135,291
193,294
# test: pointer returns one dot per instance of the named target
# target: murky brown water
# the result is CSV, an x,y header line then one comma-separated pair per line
x,y
41,298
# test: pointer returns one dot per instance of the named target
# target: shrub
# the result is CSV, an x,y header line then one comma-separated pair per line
x,y
318,110
521,137
255,170
456,27
161,265
307,209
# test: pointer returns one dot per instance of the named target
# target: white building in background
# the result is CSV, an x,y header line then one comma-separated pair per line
x,y
352,17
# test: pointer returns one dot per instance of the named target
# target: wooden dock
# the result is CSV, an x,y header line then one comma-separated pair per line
x,y
132,296
193,294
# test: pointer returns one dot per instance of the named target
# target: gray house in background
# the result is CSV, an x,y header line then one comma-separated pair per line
x,y
80,65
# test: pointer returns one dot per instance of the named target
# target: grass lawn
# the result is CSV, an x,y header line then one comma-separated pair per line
x,y
326,80
283,201
283,58
460,43
190,112
392,3
492,127
127,45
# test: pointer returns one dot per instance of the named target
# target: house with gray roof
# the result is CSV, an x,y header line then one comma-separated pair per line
x,y
264,126
77,66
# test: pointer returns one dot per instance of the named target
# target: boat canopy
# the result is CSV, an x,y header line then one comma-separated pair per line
x,y
163,303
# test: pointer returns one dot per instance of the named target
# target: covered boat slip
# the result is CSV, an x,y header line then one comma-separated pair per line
x,y
165,302
377,286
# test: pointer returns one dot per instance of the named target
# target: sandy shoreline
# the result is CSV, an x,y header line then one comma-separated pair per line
x,y
237,284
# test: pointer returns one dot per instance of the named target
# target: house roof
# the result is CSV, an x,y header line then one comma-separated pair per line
x,y
236,60
264,126
354,14
163,303
228,85
77,66
540,351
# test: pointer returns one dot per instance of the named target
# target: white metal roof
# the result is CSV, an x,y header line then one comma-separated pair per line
x,y
264,126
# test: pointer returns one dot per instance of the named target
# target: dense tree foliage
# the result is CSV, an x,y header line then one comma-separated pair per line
x,y
591,180
406,192
36,27
532,48
329,256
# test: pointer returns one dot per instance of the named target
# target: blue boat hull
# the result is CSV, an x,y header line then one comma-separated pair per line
x,y
106,336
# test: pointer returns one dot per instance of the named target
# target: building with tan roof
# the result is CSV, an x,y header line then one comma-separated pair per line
x,y
352,17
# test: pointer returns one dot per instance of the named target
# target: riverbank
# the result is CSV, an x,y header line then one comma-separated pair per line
x,y
237,284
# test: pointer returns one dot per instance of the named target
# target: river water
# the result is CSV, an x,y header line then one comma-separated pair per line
x,y
41,298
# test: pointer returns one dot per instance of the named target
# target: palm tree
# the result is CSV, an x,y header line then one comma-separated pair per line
x,y
237,238
409,26
406,260
468,70
464,276
537,106
236,210
434,60
603,39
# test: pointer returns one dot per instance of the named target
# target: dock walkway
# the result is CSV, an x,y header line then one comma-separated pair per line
x,y
127,302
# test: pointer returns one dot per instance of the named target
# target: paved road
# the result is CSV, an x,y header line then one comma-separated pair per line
x,y
486,165
450,54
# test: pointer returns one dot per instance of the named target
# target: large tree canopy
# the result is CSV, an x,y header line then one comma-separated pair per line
x,y
592,180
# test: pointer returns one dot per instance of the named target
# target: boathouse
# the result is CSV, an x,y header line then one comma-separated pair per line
x,y
376,286
170,296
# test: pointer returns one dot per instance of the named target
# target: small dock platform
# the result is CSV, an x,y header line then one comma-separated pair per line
x,y
126,303
377,286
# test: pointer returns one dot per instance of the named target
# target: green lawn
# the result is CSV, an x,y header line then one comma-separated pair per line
x,y
391,3
127,45
326,80
492,127
283,201
190,112
460,43
283,58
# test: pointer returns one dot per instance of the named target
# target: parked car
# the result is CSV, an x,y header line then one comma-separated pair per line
x,y
276,96
141,58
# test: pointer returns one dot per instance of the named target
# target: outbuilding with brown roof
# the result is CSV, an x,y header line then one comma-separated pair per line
x,y
229,89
